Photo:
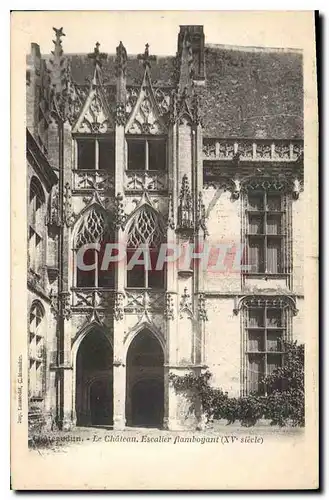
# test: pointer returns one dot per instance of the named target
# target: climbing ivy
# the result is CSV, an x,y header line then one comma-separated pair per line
x,y
283,404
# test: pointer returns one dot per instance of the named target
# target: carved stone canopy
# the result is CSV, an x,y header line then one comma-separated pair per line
x,y
243,180
277,300
248,164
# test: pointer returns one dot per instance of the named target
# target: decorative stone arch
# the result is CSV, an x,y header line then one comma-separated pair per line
x,y
133,333
145,204
39,304
82,333
145,230
91,226
95,205
36,187
76,343
145,375
95,116
146,116
141,221
283,300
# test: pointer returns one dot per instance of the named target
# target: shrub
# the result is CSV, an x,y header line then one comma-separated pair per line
x,y
284,403
286,388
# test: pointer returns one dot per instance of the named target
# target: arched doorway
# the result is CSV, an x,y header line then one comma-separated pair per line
x,y
145,382
94,380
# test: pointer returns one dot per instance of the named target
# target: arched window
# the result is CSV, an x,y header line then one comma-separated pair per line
x,y
94,229
146,231
36,351
36,224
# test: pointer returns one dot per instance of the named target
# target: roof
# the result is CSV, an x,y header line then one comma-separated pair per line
x,y
249,92
252,93
162,69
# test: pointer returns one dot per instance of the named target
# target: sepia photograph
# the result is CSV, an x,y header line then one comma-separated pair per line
x,y
168,205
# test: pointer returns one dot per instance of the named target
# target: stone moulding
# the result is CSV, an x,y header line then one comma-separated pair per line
x,y
255,150
260,300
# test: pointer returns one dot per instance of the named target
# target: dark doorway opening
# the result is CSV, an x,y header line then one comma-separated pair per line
x,y
145,382
101,406
147,403
94,380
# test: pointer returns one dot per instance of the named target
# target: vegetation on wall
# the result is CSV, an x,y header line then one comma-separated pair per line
x,y
283,402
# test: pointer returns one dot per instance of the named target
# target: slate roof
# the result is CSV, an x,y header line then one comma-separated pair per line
x,y
162,69
248,92
252,94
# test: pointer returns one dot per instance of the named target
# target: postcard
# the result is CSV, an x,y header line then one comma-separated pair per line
x,y
164,207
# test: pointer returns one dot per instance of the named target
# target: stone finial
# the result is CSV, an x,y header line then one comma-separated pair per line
x,y
121,60
146,57
185,207
59,33
97,56
57,71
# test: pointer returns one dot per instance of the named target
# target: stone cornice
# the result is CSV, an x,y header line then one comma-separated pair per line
x,y
265,292
233,150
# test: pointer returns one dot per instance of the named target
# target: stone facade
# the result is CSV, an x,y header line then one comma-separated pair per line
x,y
156,150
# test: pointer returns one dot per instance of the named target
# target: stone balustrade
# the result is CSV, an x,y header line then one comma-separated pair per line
x,y
89,180
252,150
139,181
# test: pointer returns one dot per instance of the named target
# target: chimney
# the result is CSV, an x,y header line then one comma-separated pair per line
x,y
195,35
33,81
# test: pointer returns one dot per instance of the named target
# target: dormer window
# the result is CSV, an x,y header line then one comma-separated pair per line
x,y
96,154
147,154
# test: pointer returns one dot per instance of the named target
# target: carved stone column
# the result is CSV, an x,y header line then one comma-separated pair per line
x,y
199,242
119,368
66,284
171,308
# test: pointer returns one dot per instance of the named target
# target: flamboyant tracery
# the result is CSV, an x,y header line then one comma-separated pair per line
x,y
139,165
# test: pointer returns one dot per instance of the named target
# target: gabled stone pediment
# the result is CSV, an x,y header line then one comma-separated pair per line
x,y
146,116
95,117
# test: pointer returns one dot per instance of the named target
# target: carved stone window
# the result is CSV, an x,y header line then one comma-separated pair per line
x,y
265,233
146,231
36,351
94,229
265,331
147,154
36,214
96,154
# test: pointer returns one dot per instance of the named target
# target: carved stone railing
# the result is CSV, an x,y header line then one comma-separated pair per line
x,y
132,301
145,181
137,300
90,180
92,298
252,150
